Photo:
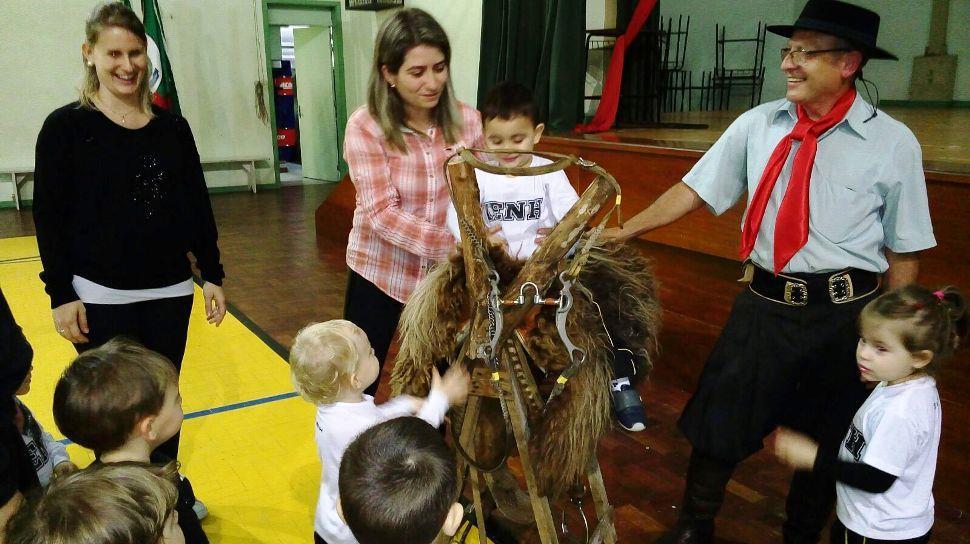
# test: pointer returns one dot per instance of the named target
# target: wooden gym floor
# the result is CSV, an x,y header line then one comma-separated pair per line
x,y
281,276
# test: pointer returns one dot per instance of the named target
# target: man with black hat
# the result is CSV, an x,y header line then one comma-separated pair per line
x,y
836,205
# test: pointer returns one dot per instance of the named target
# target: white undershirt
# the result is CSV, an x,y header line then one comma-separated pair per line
x,y
95,293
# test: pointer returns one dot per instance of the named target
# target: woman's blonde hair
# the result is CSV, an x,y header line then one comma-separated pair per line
x,y
103,16
322,357
102,504
404,31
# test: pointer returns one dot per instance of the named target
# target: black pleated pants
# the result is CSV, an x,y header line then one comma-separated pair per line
x,y
773,365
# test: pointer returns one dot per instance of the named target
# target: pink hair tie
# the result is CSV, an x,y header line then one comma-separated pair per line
x,y
939,295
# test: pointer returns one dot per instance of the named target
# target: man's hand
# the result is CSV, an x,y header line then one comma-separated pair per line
x,y
613,234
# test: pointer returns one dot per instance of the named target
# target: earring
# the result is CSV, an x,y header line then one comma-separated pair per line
x,y
393,85
90,64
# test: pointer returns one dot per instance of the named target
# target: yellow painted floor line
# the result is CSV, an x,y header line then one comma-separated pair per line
x,y
247,440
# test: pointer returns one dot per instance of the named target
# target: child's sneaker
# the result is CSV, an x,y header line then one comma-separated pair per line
x,y
627,405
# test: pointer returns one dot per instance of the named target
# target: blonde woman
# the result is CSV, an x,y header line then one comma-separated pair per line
x,y
119,198
395,147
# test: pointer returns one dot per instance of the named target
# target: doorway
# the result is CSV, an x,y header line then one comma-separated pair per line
x,y
308,109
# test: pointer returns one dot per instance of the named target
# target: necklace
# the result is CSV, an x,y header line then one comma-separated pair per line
x,y
124,116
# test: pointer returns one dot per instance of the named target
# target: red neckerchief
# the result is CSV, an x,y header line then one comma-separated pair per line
x,y
791,225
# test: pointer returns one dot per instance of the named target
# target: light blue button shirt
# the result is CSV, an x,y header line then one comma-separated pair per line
x,y
867,188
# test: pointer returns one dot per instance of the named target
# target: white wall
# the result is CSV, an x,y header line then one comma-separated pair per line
x,y
40,59
217,55
359,32
741,20
212,46
903,31
462,21
599,14
958,43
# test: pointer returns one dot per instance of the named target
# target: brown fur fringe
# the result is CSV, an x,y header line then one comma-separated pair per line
x,y
564,435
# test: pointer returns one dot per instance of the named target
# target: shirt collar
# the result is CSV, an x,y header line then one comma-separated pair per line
x,y
408,130
855,119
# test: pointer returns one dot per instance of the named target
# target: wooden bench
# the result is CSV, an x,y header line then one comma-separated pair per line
x,y
248,163
18,174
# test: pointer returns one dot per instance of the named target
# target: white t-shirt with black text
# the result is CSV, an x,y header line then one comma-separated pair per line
x,y
521,204
897,430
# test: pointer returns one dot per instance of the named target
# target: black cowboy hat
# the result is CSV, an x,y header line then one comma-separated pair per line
x,y
856,24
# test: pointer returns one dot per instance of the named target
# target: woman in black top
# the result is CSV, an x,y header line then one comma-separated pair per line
x,y
119,199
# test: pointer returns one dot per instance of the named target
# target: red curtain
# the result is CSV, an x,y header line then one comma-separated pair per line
x,y
610,101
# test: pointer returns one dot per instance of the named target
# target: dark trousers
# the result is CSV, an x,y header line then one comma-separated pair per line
x,y
317,539
376,313
624,359
160,325
780,365
841,535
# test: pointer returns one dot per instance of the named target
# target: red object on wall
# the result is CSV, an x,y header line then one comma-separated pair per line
x,y
610,100
285,137
284,86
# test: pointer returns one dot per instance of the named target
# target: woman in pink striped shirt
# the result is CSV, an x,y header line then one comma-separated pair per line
x,y
395,148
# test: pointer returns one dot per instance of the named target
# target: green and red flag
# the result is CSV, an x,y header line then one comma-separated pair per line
x,y
160,79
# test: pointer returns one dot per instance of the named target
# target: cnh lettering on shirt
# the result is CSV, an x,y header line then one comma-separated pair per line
x,y
520,210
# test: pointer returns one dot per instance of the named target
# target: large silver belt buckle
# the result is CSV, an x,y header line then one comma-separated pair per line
x,y
840,287
796,293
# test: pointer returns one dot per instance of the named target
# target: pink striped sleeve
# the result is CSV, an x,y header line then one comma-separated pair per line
x,y
380,201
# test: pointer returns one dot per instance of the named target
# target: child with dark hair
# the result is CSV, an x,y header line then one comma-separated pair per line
x,y
520,205
521,208
17,473
105,504
122,401
398,484
885,467
48,456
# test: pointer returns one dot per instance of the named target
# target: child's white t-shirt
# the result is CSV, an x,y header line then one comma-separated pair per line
x,y
337,425
521,204
897,430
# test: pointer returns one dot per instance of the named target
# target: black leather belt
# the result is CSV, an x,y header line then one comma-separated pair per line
x,y
804,289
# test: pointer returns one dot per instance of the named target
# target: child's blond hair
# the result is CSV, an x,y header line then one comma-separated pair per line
x,y
102,504
322,357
